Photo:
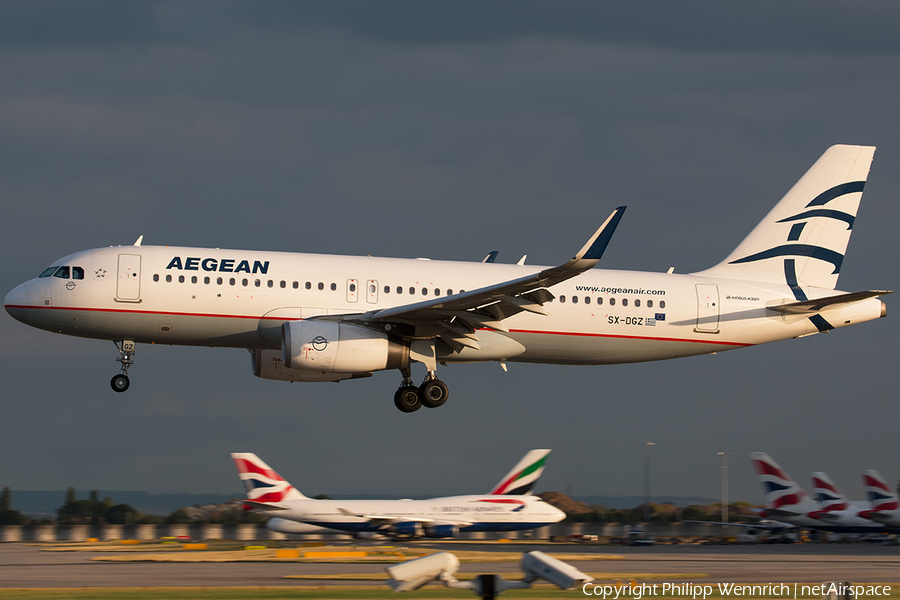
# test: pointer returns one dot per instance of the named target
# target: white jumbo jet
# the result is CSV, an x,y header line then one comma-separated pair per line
x,y
509,506
311,317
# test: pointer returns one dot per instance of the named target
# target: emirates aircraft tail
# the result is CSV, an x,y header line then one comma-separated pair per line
x,y
784,496
265,488
803,240
523,477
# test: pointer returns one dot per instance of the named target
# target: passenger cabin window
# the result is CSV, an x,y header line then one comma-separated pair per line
x,y
333,287
62,273
662,303
412,290
168,279
353,287
244,282
181,279
77,273
587,299
231,281
283,284
612,301
218,281
424,291
637,303
574,299
48,272
599,300
624,301
321,286
156,277
206,280
193,279
308,285
387,289
649,303
562,299
449,292
399,290
296,285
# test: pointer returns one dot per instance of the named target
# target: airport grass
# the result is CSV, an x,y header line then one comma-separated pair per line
x,y
321,593
508,576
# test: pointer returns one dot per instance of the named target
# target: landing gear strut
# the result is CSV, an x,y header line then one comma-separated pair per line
x,y
119,383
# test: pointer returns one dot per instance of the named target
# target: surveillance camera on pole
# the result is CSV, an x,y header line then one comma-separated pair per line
x,y
414,574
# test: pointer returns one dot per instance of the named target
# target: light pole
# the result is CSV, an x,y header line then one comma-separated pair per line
x,y
647,479
724,456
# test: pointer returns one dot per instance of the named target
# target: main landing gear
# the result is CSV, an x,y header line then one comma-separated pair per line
x,y
431,394
119,383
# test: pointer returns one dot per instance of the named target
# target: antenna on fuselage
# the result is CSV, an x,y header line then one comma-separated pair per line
x,y
139,240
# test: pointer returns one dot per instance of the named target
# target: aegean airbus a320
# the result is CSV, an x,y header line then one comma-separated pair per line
x,y
326,318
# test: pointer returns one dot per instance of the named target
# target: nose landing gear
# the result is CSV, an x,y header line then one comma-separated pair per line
x,y
120,383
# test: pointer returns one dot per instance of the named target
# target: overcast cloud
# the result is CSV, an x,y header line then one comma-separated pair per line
x,y
442,129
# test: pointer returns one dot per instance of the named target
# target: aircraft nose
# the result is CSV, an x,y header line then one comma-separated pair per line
x,y
16,301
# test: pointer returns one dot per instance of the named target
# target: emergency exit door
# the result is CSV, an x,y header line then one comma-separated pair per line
x,y
128,283
707,308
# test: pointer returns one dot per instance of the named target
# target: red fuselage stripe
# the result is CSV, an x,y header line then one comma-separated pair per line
x,y
220,316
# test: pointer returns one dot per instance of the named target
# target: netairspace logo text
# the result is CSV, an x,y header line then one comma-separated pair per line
x,y
690,590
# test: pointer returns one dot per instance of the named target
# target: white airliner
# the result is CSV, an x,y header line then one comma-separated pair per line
x,y
509,506
310,317
787,502
835,508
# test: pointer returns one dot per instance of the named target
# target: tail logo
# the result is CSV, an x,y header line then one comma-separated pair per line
x,y
263,485
780,489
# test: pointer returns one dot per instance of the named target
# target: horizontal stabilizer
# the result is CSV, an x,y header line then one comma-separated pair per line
x,y
814,306
260,505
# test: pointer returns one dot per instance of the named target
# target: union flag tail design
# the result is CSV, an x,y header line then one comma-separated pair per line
x,y
263,484
783,494
828,495
880,496
522,478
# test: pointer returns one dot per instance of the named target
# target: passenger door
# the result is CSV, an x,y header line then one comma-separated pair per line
x,y
128,283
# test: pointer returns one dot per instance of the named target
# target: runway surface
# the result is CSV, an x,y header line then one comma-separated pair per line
x,y
24,565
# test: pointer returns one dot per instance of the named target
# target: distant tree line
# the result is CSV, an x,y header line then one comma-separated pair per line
x,y
738,512
93,511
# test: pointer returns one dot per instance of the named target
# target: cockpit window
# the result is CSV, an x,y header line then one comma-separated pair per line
x,y
77,273
48,271
62,273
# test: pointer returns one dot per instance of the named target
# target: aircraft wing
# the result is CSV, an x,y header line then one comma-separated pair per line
x,y
814,306
455,318
385,521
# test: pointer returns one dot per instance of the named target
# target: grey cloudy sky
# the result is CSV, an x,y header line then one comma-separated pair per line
x,y
442,129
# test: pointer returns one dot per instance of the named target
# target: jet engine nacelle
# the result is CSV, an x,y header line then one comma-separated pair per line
x,y
331,347
268,364
441,531
407,528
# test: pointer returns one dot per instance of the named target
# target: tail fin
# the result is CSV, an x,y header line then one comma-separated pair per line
x,y
521,479
262,483
783,494
828,495
879,494
802,241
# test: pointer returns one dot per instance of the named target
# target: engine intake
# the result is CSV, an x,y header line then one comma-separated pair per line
x,y
407,528
441,531
331,347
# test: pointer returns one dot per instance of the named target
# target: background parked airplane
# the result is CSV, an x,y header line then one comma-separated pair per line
x,y
308,317
786,501
883,504
508,507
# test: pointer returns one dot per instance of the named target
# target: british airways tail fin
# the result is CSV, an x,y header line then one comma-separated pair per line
x,y
522,478
803,240
264,486
828,495
783,495
878,493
